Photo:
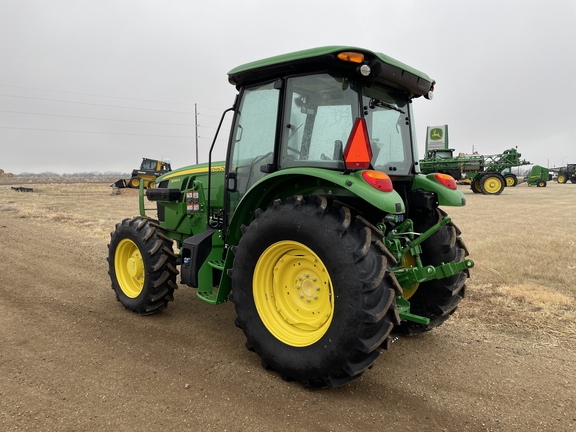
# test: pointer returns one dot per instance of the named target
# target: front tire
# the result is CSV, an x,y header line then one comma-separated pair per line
x,y
313,291
142,265
437,299
492,184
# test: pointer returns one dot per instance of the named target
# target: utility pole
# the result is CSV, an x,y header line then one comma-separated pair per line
x,y
196,130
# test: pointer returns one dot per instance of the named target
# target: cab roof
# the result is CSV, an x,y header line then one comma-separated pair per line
x,y
325,59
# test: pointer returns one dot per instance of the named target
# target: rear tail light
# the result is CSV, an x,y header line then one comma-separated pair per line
x,y
446,180
378,180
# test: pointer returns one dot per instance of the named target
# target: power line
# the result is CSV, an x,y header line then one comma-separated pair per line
x,y
100,105
213,109
96,118
95,95
208,115
95,132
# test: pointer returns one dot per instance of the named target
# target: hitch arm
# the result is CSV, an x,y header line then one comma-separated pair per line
x,y
408,276
426,235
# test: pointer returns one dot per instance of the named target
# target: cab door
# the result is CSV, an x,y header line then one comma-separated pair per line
x,y
253,141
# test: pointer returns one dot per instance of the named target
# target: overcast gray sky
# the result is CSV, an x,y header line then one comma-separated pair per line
x,y
95,85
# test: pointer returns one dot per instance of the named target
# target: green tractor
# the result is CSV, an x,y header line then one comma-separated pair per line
x,y
318,226
567,173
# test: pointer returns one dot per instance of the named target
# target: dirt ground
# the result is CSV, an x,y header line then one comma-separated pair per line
x,y
72,359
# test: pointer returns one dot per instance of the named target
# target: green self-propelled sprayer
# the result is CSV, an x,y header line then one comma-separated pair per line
x,y
318,226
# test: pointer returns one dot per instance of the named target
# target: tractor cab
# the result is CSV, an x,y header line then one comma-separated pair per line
x,y
334,109
155,165
319,121
440,154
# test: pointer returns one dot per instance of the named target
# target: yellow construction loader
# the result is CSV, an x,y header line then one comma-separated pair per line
x,y
149,171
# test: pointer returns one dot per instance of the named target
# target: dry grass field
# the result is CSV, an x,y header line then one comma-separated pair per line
x,y
524,245
72,359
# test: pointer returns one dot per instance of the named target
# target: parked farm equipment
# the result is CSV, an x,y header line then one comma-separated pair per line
x,y
538,176
22,189
567,173
149,171
319,226
488,174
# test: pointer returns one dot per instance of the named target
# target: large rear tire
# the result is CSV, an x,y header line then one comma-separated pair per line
x,y
142,265
313,291
436,299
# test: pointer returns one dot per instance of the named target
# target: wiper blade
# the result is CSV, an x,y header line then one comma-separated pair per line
x,y
381,104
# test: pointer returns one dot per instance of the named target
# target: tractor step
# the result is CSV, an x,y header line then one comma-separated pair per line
x,y
217,264
208,296
211,296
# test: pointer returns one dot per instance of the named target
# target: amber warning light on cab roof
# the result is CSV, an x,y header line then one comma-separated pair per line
x,y
351,56
355,57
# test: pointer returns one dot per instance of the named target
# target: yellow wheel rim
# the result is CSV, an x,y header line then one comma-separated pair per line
x,y
135,182
293,293
408,261
509,181
492,184
561,179
129,268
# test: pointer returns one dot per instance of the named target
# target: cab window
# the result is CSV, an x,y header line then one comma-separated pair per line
x,y
388,122
319,113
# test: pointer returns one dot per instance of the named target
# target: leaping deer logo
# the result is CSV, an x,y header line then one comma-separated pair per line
x,y
436,134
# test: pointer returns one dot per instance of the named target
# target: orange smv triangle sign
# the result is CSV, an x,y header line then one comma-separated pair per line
x,y
358,153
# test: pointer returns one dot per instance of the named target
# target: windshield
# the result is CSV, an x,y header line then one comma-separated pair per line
x,y
148,164
386,113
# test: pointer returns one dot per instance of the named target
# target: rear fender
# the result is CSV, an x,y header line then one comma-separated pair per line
x,y
308,181
446,196
301,181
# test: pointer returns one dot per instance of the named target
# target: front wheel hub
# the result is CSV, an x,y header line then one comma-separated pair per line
x,y
135,266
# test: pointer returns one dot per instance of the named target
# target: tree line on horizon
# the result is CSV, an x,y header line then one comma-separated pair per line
x,y
78,174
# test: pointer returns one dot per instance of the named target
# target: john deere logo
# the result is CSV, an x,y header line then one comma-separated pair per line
x,y
436,134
